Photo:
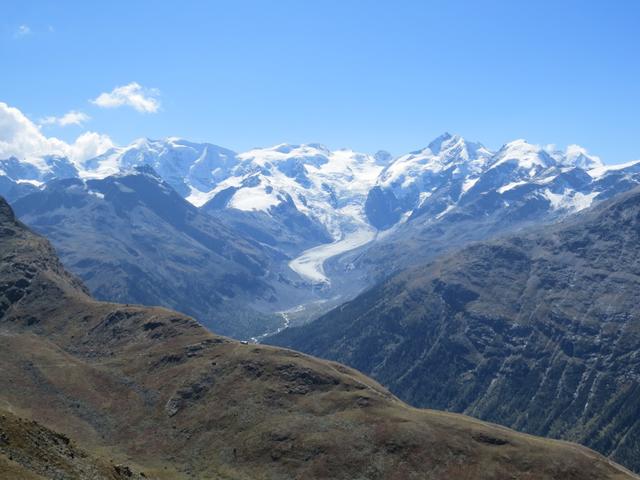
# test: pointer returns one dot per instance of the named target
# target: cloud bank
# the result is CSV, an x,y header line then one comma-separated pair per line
x,y
21,138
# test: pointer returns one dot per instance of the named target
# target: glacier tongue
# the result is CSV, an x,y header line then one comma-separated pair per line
x,y
310,264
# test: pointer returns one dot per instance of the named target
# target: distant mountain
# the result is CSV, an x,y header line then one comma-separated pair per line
x,y
154,388
21,177
325,187
539,331
451,172
187,166
454,192
133,239
309,186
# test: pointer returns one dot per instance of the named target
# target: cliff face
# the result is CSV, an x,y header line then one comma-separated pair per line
x,y
539,332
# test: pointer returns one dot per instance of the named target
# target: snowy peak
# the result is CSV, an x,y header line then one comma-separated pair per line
x,y
329,187
535,158
46,168
342,191
185,165
447,154
452,175
313,154
442,142
456,148
524,156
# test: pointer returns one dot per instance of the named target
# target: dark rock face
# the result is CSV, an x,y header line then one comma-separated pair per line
x,y
382,208
221,199
539,331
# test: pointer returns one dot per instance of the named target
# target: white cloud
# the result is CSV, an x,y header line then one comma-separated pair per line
x,y
143,100
70,118
577,155
89,145
574,150
21,138
22,31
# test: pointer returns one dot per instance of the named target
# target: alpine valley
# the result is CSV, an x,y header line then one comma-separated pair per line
x,y
497,284
276,236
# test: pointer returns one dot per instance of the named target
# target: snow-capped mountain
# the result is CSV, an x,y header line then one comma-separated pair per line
x,y
340,191
407,182
462,198
190,168
19,177
327,186
451,175
446,157
304,196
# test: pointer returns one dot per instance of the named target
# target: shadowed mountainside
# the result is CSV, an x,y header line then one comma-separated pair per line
x,y
133,239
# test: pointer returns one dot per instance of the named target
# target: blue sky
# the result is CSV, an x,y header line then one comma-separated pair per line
x,y
361,74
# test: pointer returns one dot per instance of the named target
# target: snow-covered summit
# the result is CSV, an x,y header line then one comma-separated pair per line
x,y
452,174
328,186
577,156
446,156
185,165
523,156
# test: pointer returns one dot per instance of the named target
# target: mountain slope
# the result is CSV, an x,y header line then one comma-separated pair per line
x,y
29,451
133,239
539,332
154,388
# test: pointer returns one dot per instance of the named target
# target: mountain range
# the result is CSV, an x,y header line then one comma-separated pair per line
x,y
320,225
106,391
